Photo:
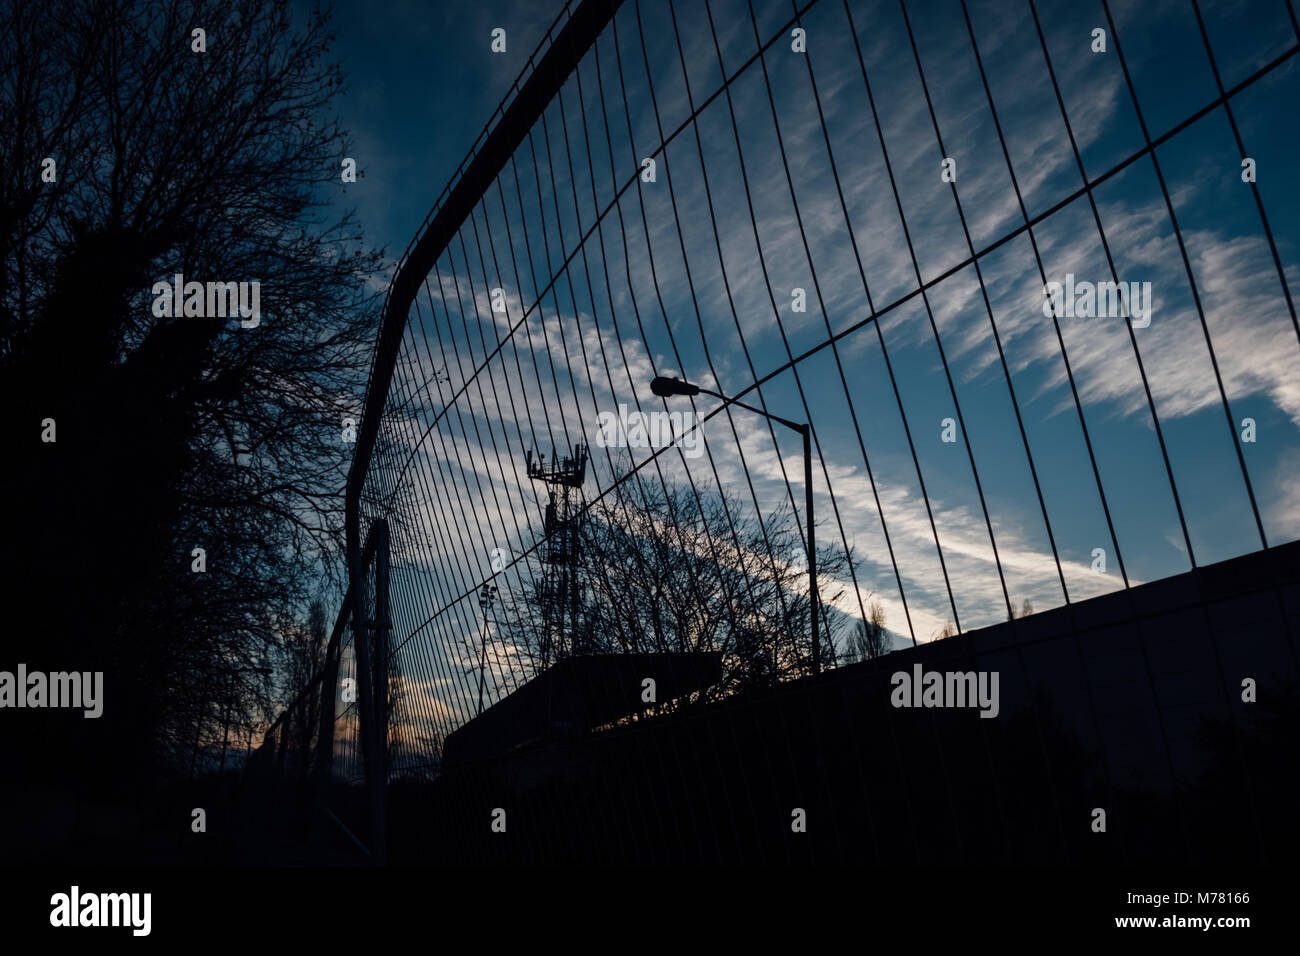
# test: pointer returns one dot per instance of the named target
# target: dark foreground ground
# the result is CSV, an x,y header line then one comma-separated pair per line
x,y
1131,704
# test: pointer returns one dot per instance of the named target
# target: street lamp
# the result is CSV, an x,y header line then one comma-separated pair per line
x,y
668,387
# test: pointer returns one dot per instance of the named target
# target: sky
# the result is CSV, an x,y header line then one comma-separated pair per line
x,y
694,274
421,84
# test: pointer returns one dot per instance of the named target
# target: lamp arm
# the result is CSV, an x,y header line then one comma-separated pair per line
x,y
800,428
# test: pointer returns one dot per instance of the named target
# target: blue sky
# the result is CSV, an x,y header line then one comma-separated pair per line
x,y
421,84
673,282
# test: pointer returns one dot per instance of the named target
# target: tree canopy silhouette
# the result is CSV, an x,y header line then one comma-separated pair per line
x,y
666,567
181,432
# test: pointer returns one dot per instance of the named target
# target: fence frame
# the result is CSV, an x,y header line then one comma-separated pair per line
x,y
560,60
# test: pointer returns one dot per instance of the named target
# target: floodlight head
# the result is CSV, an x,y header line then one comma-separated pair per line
x,y
664,387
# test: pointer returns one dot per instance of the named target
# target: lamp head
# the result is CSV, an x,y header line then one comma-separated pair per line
x,y
665,387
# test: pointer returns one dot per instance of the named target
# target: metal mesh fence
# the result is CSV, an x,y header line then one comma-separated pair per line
x,y
761,257
873,218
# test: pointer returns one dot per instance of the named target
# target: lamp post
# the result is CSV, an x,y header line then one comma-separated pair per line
x,y
666,387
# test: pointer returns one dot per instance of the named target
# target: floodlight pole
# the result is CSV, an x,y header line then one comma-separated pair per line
x,y
665,387
485,599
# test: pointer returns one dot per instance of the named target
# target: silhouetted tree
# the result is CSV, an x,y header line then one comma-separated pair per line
x,y
948,630
173,433
669,568
869,639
